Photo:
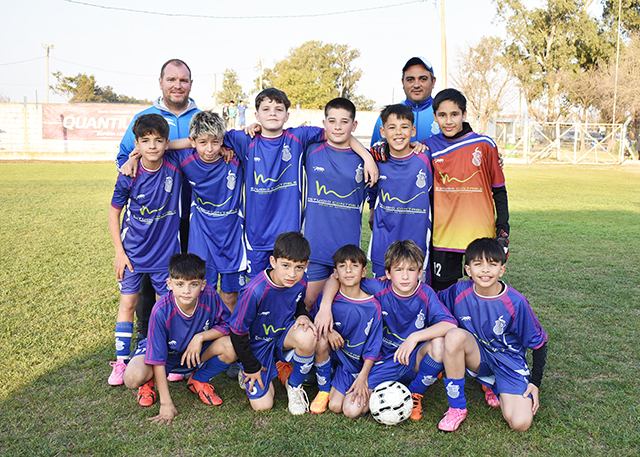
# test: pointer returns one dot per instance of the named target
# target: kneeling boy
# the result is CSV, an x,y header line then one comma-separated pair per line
x,y
188,331
414,323
497,326
354,345
270,323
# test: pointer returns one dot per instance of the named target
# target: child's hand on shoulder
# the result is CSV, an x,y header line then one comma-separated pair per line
x,y
130,167
418,148
227,154
253,129
166,415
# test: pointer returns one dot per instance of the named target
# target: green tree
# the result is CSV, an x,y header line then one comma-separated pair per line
x,y
314,73
545,42
231,89
483,79
83,88
630,15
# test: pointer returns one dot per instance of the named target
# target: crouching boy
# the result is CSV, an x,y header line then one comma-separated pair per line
x,y
188,332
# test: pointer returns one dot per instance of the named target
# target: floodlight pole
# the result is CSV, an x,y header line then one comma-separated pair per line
x,y
48,47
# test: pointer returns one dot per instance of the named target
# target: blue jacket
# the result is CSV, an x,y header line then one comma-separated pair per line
x,y
424,121
178,126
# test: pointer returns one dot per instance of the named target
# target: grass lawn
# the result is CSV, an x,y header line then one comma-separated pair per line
x,y
575,252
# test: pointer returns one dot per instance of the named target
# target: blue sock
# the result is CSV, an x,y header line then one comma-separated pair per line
x,y
124,333
323,375
301,366
455,393
428,372
210,369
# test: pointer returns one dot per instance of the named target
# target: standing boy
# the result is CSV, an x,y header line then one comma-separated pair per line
x,y
335,194
188,332
273,164
270,324
497,325
402,207
150,228
355,343
469,195
414,323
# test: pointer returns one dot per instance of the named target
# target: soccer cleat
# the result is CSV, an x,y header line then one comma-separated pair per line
x,y
452,419
115,378
416,412
319,404
491,398
298,400
284,371
173,377
241,382
204,391
232,371
147,393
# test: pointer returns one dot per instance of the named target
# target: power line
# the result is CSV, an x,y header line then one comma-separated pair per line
x,y
202,16
101,69
21,61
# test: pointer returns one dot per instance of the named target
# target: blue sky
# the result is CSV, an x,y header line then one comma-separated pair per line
x,y
125,49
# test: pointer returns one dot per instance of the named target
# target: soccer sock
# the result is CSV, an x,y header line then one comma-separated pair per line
x,y
428,372
455,393
124,333
301,366
323,375
210,369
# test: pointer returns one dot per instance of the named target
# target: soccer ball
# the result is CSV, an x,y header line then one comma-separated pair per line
x,y
390,403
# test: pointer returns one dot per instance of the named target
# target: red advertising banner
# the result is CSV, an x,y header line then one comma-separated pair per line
x,y
87,121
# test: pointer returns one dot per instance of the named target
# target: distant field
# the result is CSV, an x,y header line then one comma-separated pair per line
x,y
575,251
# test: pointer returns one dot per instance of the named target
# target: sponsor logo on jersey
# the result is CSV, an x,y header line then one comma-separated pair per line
x,y
256,159
286,153
319,169
138,197
453,391
382,177
465,318
440,160
337,324
264,313
173,343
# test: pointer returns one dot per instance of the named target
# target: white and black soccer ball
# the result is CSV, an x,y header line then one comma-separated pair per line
x,y
390,403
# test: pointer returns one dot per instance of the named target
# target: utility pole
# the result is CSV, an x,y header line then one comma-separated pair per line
x,y
260,70
443,40
48,47
615,87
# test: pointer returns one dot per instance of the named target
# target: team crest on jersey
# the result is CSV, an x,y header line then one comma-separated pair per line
x,y
368,329
435,128
231,180
420,320
453,391
498,328
286,153
359,174
168,184
477,157
421,179
206,326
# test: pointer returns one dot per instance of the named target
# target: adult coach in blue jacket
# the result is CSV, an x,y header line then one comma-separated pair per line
x,y
177,108
417,82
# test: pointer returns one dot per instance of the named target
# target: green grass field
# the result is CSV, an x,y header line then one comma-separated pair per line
x,y
575,253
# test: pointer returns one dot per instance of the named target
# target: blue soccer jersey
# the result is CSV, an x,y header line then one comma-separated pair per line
x,y
334,202
216,224
359,322
171,331
401,316
264,310
273,182
402,207
504,325
150,227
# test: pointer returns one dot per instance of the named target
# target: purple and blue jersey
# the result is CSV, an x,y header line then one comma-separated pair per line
x,y
402,206
264,310
171,331
273,170
216,224
334,202
504,325
402,316
150,227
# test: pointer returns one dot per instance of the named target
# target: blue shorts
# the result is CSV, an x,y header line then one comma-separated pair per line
x,y
229,282
342,379
499,377
130,283
318,271
388,370
173,360
268,354
257,261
